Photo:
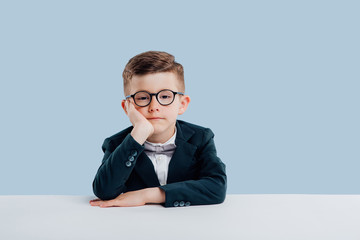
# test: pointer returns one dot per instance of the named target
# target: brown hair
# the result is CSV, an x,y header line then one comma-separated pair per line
x,y
152,62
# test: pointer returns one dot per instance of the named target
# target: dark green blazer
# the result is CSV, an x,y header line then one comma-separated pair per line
x,y
196,175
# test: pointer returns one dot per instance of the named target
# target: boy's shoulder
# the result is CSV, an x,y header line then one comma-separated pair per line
x,y
117,138
193,133
122,133
196,128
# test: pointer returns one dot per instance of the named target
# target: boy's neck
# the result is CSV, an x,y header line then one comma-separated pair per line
x,y
161,137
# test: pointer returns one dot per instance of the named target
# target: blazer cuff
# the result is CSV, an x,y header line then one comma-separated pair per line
x,y
173,197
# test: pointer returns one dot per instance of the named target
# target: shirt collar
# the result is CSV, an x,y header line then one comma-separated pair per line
x,y
168,145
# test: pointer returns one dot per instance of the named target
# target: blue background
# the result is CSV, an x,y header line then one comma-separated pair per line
x,y
277,82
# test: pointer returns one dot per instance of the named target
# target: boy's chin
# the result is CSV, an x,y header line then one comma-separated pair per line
x,y
159,128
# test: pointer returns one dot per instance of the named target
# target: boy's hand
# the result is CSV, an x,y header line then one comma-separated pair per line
x,y
133,198
142,127
129,199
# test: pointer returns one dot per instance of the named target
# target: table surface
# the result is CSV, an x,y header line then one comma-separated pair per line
x,y
242,216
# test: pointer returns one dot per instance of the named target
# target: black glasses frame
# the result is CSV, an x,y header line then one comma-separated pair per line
x,y
156,95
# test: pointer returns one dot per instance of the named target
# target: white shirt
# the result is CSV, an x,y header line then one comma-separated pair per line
x,y
160,155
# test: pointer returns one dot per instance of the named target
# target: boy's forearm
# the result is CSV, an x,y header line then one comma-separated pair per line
x,y
154,195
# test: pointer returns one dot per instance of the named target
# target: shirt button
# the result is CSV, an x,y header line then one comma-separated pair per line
x,y
134,153
176,204
182,203
187,204
128,164
131,159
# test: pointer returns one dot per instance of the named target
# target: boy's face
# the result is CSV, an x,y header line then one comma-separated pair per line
x,y
162,118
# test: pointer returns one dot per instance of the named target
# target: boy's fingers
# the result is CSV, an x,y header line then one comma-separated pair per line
x,y
94,200
131,104
110,203
95,203
127,105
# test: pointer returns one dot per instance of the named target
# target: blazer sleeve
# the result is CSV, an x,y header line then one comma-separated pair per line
x,y
209,188
117,164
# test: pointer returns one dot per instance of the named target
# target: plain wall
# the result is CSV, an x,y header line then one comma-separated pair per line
x,y
276,81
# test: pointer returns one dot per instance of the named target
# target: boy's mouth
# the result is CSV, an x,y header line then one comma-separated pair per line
x,y
155,118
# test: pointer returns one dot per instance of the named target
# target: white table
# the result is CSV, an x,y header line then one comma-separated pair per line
x,y
281,216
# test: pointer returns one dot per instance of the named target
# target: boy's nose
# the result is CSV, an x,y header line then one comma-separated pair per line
x,y
154,104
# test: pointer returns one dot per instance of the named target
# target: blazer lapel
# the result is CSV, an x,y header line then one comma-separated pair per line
x,y
183,155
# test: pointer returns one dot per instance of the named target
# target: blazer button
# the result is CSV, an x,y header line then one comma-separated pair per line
x,y
176,204
134,153
128,164
182,203
131,159
187,204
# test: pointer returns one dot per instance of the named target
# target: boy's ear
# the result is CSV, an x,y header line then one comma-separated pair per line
x,y
184,103
123,106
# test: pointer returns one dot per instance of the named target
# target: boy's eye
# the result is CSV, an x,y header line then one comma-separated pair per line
x,y
165,96
142,98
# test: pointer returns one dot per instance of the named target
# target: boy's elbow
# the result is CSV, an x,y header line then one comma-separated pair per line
x,y
97,191
220,196
101,192
219,193
222,189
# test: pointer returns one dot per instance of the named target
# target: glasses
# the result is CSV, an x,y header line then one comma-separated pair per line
x,y
164,97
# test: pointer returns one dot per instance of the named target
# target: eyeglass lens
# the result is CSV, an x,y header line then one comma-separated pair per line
x,y
164,97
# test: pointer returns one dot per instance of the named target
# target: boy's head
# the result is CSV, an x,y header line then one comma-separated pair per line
x,y
154,84
152,62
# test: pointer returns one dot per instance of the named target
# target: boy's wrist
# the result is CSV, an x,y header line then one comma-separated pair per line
x,y
154,195
140,134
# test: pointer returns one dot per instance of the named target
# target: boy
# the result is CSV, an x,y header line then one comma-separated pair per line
x,y
158,159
